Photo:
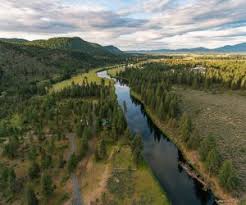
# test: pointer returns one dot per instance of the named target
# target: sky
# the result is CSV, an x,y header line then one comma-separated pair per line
x,y
128,24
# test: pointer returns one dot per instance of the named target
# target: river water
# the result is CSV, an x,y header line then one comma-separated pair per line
x,y
161,154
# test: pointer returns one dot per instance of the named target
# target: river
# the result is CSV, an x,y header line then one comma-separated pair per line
x,y
161,154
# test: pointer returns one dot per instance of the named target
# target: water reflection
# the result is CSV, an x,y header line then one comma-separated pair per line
x,y
161,154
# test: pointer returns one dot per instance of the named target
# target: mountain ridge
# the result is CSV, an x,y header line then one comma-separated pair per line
x,y
70,43
241,47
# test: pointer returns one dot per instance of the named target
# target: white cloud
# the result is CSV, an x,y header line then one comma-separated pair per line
x,y
142,24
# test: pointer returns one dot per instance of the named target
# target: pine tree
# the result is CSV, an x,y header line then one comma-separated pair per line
x,y
207,144
185,127
11,180
103,151
47,185
30,196
137,148
34,170
213,161
227,176
72,163
83,148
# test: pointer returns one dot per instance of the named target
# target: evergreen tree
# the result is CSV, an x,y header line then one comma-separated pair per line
x,y
137,148
61,162
47,185
11,180
227,176
207,144
103,151
32,154
30,196
34,170
83,148
46,161
10,149
72,163
185,127
213,161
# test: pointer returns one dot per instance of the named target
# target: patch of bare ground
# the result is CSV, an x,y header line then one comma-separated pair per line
x,y
101,186
223,115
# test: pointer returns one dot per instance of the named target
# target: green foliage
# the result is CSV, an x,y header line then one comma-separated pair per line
x,y
204,73
11,180
213,161
83,147
194,140
72,163
47,185
30,196
101,151
75,44
34,170
61,161
46,161
32,154
153,85
207,144
10,149
137,148
121,184
227,176
185,127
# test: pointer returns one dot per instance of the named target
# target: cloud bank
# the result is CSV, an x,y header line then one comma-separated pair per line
x,y
128,24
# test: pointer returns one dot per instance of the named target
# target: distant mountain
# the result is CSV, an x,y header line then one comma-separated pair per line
x,y
74,44
114,50
235,48
13,40
225,49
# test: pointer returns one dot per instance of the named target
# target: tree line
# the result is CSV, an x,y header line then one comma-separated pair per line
x,y
153,83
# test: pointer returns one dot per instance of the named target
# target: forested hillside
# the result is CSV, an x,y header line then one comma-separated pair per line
x,y
75,44
26,71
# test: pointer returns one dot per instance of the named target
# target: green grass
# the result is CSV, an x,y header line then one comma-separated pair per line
x,y
91,76
113,72
123,159
134,184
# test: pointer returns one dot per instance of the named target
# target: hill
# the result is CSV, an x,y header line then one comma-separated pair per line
x,y
75,44
13,40
21,64
114,50
235,48
27,71
238,48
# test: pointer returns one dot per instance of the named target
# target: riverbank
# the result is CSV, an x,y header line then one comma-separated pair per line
x,y
191,157
118,181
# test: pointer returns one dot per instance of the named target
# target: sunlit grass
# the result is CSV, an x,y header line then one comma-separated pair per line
x,y
91,76
113,72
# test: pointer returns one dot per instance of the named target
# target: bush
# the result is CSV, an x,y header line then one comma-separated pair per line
x,y
47,185
72,163
208,143
213,161
34,170
30,196
227,176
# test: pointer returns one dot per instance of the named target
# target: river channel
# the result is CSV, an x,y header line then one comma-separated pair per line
x,y
160,153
